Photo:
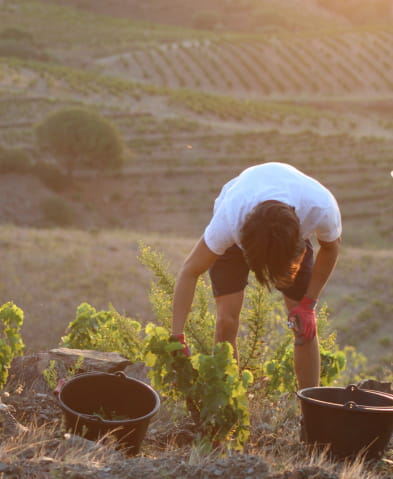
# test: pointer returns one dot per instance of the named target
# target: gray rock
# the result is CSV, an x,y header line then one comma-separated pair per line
x,y
92,360
374,385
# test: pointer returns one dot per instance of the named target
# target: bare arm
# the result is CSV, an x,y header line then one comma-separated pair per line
x,y
325,263
199,260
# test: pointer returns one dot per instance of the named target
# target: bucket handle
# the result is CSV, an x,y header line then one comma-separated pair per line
x,y
352,405
351,388
96,417
358,407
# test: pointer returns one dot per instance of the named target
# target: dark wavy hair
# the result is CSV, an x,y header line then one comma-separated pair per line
x,y
272,243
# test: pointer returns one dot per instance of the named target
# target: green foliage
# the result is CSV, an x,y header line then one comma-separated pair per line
x,y
83,327
51,375
80,138
265,343
209,384
258,327
355,367
20,44
201,324
280,368
200,327
104,331
332,363
162,286
11,344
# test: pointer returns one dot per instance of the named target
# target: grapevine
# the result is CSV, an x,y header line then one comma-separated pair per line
x,y
11,344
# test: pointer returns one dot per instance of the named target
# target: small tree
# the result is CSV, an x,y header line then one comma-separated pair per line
x,y
11,343
78,137
21,44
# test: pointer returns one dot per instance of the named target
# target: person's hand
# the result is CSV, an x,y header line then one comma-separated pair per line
x,y
182,339
302,320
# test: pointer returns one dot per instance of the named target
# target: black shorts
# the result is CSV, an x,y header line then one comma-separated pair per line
x,y
229,274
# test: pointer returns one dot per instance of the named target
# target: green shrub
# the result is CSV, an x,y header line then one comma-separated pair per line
x,y
76,137
11,344
104,331
20,44
265,343
57,211
386,341
209,381
17,35
13,160
10,48
209,384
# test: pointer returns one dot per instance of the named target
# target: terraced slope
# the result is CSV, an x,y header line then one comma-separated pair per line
x,y
168,130
345,63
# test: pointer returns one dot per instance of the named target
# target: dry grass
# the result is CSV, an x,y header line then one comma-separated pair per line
x,y
48,452
48,273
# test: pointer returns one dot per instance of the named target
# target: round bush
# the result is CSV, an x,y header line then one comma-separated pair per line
x,y
79,138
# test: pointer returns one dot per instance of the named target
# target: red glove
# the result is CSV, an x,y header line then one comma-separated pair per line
x,y
182,339
59,386
302,320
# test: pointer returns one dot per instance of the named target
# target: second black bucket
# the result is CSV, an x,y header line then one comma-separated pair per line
x,y
96,404
349,421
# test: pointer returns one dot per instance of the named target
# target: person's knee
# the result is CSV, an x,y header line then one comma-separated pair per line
x,y
227,326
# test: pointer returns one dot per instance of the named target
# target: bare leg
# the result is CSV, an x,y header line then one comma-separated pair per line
x,y
228,313
307,358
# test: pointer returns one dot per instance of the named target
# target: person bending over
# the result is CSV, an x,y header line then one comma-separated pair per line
x,y
263,221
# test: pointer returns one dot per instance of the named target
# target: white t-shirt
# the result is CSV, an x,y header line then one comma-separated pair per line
x,y
315,206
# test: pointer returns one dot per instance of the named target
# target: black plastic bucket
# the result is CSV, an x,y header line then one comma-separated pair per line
x,y
96,404
349,421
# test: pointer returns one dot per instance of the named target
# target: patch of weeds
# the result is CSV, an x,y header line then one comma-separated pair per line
x,y
385,342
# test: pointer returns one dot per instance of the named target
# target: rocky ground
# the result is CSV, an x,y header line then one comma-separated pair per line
x,y
34,443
